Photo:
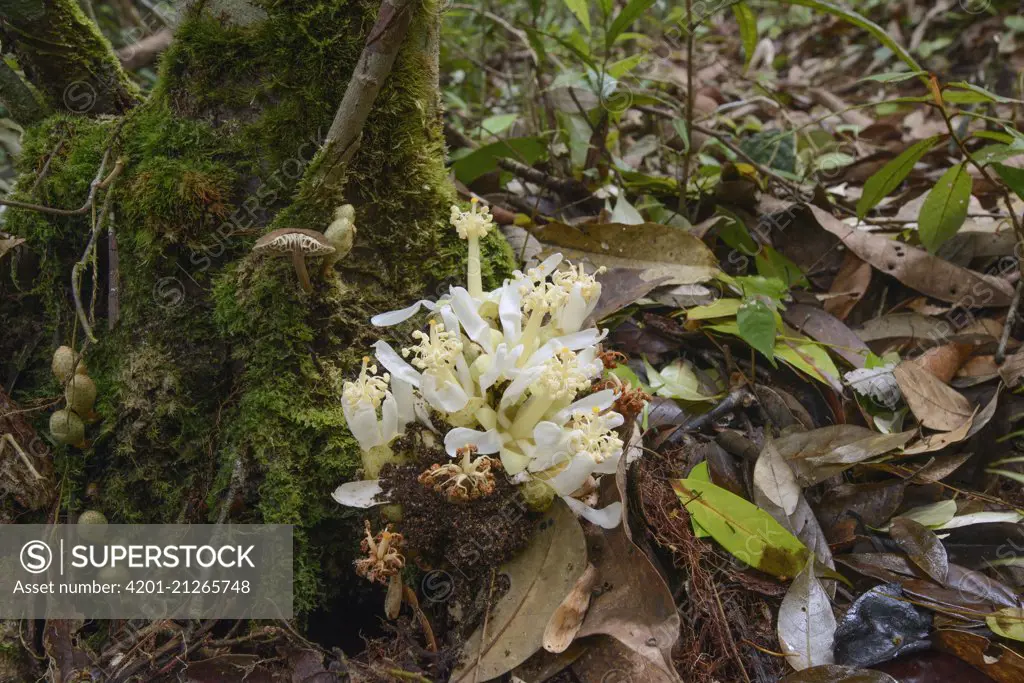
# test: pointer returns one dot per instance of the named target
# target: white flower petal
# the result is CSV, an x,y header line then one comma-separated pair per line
x,y
389,426
486,442
573,476
519,385
359,494
602,400
607,517
610,464
405,400
572,315
362,422
513,462
548,265
401,315
394,364
510,313
475,326
446,396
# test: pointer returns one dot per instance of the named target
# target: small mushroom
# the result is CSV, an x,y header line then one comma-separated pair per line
x,y
297,242
341,234
65,361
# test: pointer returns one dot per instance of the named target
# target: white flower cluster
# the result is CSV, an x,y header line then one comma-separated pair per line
x,y
509,369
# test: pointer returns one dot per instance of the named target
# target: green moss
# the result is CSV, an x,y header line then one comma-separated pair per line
x,y
218,358
68,57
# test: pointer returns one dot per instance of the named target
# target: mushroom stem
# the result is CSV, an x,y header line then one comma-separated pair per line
x,y
299,261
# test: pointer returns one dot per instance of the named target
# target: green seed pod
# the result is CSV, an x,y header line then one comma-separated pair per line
x,y
66,427
537,495
92,526
64,363
80,394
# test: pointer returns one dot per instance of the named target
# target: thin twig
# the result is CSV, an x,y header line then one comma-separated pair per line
x,y
113,277
414,603
1011,318
46,165
94,187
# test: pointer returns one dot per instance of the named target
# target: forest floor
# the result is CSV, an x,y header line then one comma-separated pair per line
x,y
810,229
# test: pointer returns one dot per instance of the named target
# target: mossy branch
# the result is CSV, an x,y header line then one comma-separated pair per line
x,y
18,98
66,57
374,65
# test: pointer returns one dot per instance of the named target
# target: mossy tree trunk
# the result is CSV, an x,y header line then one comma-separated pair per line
x,y
219,382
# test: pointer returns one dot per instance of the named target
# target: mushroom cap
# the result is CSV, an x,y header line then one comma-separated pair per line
x,y
284,240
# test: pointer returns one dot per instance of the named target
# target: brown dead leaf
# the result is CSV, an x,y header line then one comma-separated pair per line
x,y
567,619
821,453
999,662
637,610
918,269
922,546
935,404
824,327
834,673
944,361
1012,370
539,578
9,243
663,253
849,287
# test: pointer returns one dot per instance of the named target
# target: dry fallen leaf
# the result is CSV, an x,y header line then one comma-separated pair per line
x,y
820,453
9,243
774,479
851,283
539,578
922,546
660,251
567,619
918,269
834,673
935,404
807,625
637,609
944,361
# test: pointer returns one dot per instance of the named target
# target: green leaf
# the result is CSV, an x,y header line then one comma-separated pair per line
x,y
1013,177
625,18
775,265
733,231
888,178
894,76
746,531
945,208
485,159
748,30
498,124
624,66
699,473
810,358
757,326
977,89
1007,622
722,308
676,380
679,125
581,8
990,154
